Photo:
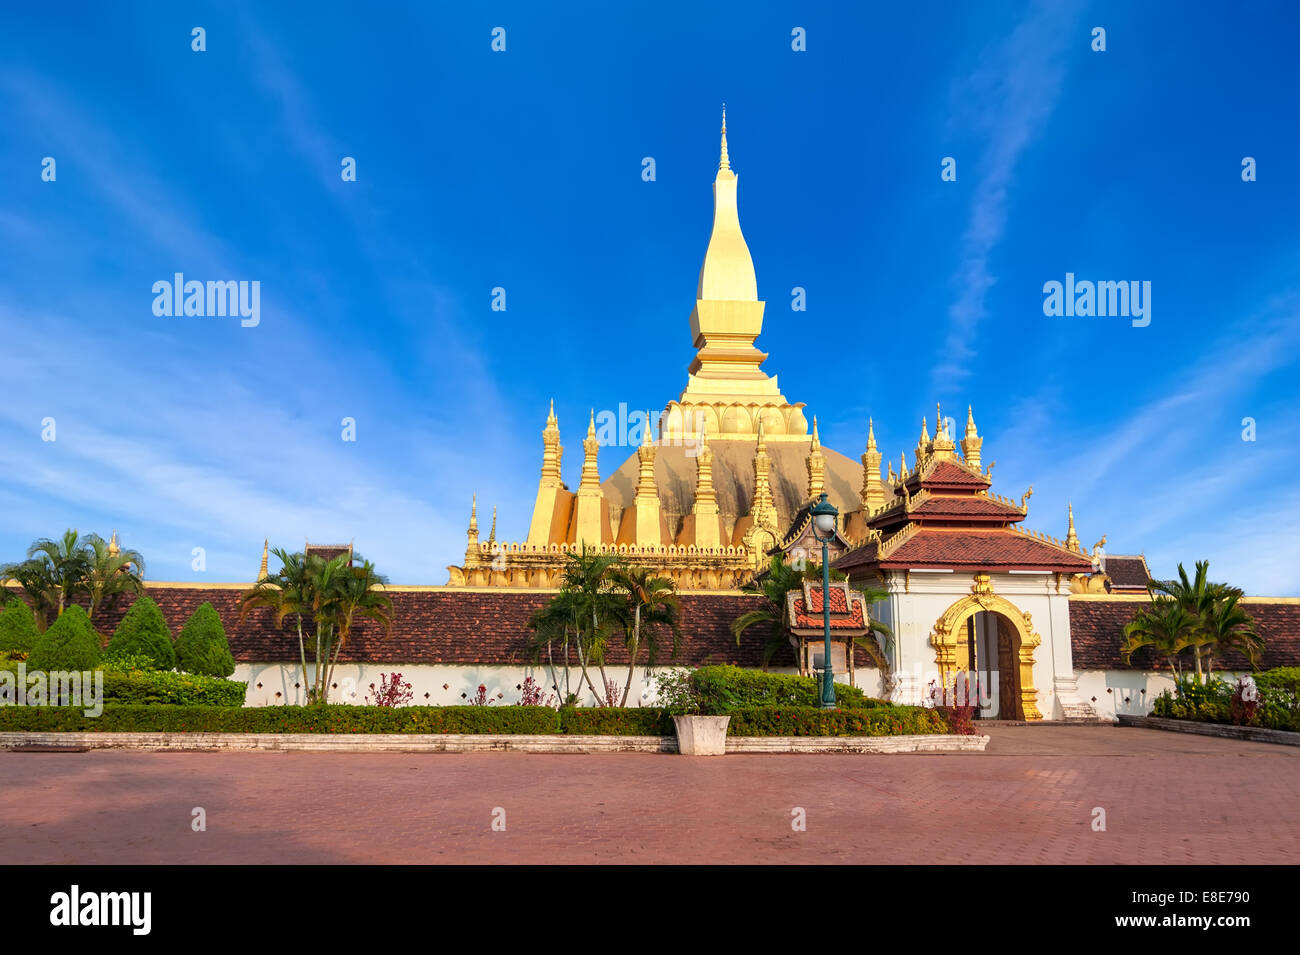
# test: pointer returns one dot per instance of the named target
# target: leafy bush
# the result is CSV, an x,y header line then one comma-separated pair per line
x,y
339,718
1278,704
722,689
70,643
202,647
18,633
616,721
144,632
133,680
814,721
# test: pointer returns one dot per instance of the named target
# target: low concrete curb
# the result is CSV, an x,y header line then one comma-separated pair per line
x,y
479,743
856,744
1254,734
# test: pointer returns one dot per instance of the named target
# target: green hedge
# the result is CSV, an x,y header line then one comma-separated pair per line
x,y
524,720
722,689
127,684
814,721
120,718
615,721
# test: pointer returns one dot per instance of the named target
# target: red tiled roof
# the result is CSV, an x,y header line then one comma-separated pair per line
x,y
946,473
984,549
1127,572
976,505
454,627
1097,633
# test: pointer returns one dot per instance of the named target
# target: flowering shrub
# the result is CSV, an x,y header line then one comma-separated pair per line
x,y
392,691
958,705
534,695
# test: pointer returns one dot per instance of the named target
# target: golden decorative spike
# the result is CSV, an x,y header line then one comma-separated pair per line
x,y
113,549
492,534
262,571
1071,538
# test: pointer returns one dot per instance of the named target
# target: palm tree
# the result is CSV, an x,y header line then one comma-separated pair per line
x,y
1167,627
35,577
1228,627
285,593
588,581
559,620
652,603
359,597
60,570
1196,596
111,572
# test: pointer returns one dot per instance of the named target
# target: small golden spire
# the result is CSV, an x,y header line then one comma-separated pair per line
x,y
762,444
647,439
113,549
816,438
725,161
550,416
938,420
263,571
591,425
473,516
492,534
871,435
1071,538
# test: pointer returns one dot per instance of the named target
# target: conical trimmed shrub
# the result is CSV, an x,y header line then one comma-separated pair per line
x,y
202,647
144,632
70,643
18,633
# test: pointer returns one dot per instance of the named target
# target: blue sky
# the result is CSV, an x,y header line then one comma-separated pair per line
x,y
522,170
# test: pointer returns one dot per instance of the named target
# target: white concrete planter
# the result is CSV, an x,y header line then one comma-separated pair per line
x,y
701,735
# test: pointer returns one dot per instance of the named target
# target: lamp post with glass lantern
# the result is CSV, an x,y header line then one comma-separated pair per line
x,y
824,517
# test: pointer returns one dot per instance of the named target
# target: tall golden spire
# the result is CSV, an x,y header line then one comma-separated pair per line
x,y
816,465
263,572
113,549
873,494
763,509
923,443
728,271
589,508
705,507
548,488
646,501
492,534
942,445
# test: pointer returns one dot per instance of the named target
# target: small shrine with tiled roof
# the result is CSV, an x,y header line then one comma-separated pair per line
x,y
849,621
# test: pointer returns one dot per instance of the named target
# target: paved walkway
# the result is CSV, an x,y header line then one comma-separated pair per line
x,y
1168,798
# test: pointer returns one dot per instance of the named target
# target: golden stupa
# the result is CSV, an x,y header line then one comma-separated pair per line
x,y
706,500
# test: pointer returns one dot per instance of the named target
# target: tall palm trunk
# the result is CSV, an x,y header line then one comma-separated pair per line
x,y
631,663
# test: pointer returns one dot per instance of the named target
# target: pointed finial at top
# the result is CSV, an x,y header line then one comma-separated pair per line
x,y
649,437
938,420
871,435
591,425
816,438
725,161
550,415
970,421
762,445
113,549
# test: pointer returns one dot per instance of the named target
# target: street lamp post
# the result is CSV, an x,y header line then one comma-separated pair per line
x,y
824,515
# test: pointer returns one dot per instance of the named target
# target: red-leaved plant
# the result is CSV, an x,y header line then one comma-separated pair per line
x,y
1245,702
392,691
534,695
481,697
957,705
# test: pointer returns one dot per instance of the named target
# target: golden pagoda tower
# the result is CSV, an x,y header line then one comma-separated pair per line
x,y
551,484
472,544
816,466
705,509
588,508
873,494
646,503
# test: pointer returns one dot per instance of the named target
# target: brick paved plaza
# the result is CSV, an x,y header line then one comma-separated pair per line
x,y
1168,797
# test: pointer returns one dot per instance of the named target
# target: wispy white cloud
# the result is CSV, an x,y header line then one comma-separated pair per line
x,y
1005,102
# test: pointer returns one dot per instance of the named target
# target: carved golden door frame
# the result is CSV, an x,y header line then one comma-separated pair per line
x,y
948,627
